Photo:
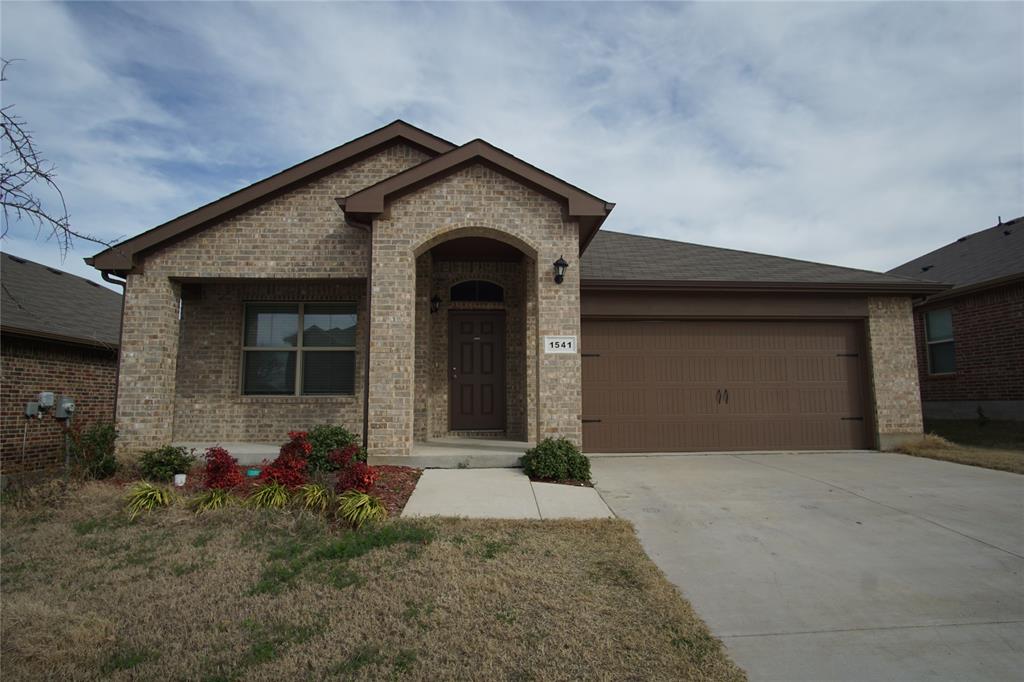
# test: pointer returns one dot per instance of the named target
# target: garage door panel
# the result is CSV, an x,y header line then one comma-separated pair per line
x,y
660,385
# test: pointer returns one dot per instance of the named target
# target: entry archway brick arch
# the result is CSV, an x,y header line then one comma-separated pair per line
x,y
473,201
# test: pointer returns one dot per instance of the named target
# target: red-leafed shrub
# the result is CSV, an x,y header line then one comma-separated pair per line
x,y
289,469
222,469
353,473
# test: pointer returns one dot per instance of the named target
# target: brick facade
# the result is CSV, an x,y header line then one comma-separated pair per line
x,y
297,235
474,201
988,336
32,365
893,369
209,406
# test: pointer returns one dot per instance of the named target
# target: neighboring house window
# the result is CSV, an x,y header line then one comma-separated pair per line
x,y
939,337
299,349
476,291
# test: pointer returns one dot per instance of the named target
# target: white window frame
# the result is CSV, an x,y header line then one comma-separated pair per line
x,y
299,349
929,342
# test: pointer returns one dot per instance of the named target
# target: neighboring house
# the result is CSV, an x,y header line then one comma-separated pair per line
x,y
59,333
408,288
970,339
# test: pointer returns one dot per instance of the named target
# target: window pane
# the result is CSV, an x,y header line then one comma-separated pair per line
x,y
477,290
328,372
940,324
942,358
271,324
329,325
269,372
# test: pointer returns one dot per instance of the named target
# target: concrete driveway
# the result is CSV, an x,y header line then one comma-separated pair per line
x,y
838,566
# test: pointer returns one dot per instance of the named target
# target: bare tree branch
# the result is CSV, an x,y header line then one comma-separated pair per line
x,y
24,173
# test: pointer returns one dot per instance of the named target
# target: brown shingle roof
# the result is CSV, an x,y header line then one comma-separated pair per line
x,y
615,257
993,253
41,301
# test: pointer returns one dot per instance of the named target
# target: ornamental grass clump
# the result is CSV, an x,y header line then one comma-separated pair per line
x,y
268,495
356,508
556,459
314,497
214,498
145,497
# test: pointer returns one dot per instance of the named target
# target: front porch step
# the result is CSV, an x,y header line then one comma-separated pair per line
x,y
460,453
498,435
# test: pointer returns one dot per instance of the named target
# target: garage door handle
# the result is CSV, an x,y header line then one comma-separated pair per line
x,y
847,355
718,396
852,419
726,396
591,421
590,355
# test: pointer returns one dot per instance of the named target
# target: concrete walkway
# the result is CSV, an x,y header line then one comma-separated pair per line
x,y
838,566
500,494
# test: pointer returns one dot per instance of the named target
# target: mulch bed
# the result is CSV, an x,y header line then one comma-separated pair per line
x,y
395,486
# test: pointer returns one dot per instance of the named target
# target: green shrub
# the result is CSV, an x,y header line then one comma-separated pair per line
x,y
357,508
556,459
326,439
145,497
93,449
163,463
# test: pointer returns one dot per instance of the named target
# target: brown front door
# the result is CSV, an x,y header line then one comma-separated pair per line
x,y
476,354
676,386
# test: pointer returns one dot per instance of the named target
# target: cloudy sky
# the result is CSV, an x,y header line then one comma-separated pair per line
x,y
850,133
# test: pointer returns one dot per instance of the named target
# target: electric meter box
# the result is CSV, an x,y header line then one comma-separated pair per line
x,y
45,400
65,408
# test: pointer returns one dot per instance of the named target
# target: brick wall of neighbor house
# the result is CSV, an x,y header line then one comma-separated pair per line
x,y
474,201
988,335
209,405
431,416
299,234
893,369
30,366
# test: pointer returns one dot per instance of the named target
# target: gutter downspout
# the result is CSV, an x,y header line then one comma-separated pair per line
x,y
123,283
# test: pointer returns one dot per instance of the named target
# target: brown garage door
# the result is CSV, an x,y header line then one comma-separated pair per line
x,y
678,386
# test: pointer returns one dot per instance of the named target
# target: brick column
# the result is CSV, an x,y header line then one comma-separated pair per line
x,y
894,375
149,354
559,376
392,342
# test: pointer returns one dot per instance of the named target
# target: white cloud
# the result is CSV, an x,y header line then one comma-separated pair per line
x,y
858,134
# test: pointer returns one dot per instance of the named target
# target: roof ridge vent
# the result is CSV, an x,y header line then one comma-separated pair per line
x,y
54,270
962,239
15,258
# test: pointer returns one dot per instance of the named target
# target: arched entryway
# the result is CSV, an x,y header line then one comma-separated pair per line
x,y
475,337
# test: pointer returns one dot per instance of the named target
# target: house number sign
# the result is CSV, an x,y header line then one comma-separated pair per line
x,y
559,344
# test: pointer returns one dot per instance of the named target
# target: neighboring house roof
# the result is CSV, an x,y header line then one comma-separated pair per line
x,y
586,208
122,257
991,256
44,302
622,261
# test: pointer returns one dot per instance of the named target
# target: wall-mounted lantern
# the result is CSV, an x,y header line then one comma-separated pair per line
x,y
560,266
435,304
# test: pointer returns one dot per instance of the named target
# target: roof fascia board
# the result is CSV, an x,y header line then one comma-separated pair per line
x,y
122,257
968,289
48,336
372,200
909,288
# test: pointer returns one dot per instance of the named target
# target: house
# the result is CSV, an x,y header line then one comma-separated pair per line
x,y
415,290
59,333
970,338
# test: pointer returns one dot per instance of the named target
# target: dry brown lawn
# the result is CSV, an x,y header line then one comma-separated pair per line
x,y
242,594
937,447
